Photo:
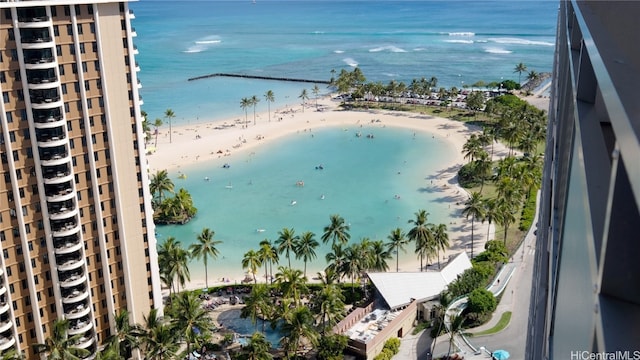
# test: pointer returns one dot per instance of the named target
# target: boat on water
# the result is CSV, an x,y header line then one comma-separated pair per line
x,y
182,176
260,230
293,202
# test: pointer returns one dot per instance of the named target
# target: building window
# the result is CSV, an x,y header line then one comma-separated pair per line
x,y
72,48
82,48
5,97
74,68
79,28
84,66
69,30
9,117
64,89
3,78
61,69
56,30
87,87
92,26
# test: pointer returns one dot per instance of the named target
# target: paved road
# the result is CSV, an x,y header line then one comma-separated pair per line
x,y
515,298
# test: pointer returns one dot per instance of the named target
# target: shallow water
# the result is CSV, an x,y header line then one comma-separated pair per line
x,y
360,180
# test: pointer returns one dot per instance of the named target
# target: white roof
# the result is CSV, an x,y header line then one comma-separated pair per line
x,y
398,288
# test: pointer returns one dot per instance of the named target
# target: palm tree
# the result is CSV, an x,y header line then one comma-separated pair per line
x,y
269,98
268,254
305,248
520,68
441,239
126,337
316,92
455,328
169,114
173,261
286,242
255,305
303,97
291,282
158,340
397,240
328,304
205,248
355,261
474,208
472,147
244,104
337,230
189,318
378,257
160,183
490,213
421,234
157,123
11,354
258,347
60,346
336,260
297,325
251,261
254,101
506,208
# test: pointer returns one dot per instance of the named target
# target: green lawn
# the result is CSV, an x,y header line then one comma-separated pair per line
x,y
502,323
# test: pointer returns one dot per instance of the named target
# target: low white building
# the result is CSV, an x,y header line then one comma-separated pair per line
x,y
401,298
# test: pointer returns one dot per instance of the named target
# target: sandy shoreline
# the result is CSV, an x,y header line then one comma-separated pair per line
x,y
222,140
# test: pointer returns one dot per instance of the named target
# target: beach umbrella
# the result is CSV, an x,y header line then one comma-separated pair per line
x,y
500,355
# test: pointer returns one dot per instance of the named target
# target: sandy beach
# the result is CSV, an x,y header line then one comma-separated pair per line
x,y
222,140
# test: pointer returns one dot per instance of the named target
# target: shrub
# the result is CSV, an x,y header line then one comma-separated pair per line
x,y
393,344
467,176
481,301
528,211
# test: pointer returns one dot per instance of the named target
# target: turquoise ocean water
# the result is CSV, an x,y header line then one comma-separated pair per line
x,y
459,42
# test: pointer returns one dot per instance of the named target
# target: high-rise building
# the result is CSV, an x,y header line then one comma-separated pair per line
x,y
586,291
76,227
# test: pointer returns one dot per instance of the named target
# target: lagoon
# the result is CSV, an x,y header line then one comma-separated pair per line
x,y
376,184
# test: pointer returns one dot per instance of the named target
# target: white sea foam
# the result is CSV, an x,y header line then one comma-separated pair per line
x,y
351,62
390,48
497,50
462,33
195,49
338,51
419,49
518,41
459,41
207,42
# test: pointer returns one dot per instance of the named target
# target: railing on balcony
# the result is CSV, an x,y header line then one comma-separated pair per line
x,y
50,136
45,99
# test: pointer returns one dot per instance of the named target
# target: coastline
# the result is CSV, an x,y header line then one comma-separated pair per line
x,y
222,140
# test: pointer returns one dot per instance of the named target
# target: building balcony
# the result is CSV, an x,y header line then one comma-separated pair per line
x,y
63,213
49,80
6,342
77,312
37,42
56,159
85,341
71,265
44,99
33,21
131,14
3,289
43,59
79,327
47,105
5,325
73,280
61,195
58,177
48,118
75,297
68,247
49,137
4,307
66,230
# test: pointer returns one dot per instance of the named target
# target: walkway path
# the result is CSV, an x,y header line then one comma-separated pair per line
x,y
514,282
